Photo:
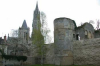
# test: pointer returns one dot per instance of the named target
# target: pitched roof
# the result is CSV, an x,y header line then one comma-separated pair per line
x,y
24,25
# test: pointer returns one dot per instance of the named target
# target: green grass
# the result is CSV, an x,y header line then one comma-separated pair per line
x,y
59,65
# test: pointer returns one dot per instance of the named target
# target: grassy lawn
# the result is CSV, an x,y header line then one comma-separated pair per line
x,y
59,65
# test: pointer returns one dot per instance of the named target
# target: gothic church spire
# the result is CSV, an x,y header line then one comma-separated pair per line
x,y
37,6
36,17
37,9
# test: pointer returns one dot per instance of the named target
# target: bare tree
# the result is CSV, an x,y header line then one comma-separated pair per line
x,y
14,33
98,23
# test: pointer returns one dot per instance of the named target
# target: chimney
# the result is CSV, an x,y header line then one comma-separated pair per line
x,y
5,38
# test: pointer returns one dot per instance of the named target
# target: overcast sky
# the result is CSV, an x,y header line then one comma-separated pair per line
x,y
13,12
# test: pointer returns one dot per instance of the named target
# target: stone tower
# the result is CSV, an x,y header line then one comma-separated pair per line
x,y
23,33
36,25
63,36
36,19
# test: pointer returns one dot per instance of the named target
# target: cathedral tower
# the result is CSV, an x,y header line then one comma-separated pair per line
x,y
36,25
36,19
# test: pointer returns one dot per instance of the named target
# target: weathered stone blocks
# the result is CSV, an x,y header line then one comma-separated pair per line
x,y
63,35
87,52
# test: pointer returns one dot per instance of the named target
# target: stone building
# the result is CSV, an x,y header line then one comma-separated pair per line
x,y
85,31
24,33
21,43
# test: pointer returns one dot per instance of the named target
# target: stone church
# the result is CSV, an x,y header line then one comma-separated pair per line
x,y
23,42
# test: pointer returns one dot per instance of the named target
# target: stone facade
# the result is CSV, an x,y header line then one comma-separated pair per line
x,y
85,31
87,52
23,33
63,36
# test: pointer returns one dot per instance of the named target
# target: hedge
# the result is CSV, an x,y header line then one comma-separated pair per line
x,y
19,58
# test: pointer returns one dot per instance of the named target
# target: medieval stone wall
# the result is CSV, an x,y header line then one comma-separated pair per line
x,y
49,57
30,61
87,52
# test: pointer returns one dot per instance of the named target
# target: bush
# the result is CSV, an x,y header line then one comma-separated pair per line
x,y
19,58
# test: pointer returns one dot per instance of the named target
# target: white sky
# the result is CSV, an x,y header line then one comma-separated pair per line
x,y
13,12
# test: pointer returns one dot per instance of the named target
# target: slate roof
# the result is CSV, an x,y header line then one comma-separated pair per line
x,y
24,25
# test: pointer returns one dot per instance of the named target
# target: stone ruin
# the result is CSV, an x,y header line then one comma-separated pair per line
x,y
73,45
63,36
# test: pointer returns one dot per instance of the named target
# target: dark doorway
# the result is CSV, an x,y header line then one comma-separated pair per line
x,y
77,36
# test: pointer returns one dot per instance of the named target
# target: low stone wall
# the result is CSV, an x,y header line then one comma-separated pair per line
x,y
87,52
11,62
30,61
49,59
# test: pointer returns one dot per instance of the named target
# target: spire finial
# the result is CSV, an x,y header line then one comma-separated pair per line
x,y
37,5
37,2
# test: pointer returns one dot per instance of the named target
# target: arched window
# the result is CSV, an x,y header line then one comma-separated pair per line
x,y
86,34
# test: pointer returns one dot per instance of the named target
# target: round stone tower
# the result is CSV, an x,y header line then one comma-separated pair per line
x,y
63,36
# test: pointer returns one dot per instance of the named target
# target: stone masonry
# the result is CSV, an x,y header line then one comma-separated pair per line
x,y
87,52
63,36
